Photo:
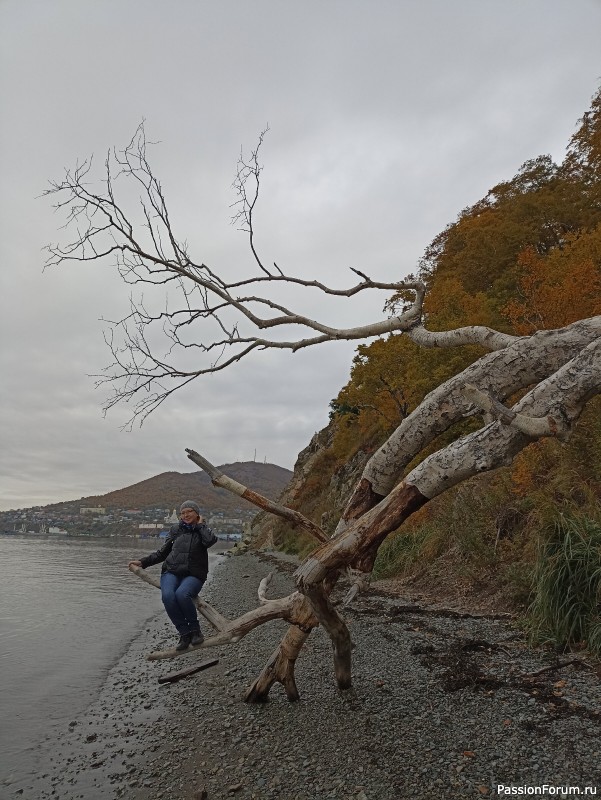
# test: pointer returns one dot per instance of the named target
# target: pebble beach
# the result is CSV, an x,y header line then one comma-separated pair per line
x,y
444,704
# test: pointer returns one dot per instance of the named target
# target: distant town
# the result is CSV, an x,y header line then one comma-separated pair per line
x,y
74,519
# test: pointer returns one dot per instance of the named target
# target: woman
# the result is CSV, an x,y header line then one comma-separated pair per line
x,y
185,569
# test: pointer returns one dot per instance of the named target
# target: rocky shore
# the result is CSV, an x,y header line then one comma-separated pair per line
x,y
444,705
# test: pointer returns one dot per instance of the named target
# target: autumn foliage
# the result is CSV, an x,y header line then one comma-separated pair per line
x,y
525,257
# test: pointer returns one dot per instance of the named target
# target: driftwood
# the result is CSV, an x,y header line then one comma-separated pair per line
x,y
218,479
571,360
556,402
280,666
172,677
287,608
556,371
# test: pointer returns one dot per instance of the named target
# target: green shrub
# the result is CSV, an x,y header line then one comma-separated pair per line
x,y
567,585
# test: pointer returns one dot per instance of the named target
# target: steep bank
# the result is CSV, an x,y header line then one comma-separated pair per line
x,y
523,258
319,488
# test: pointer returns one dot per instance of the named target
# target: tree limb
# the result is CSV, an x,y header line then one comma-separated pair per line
x,y
293,609
535,427
524,362
564,393
218,478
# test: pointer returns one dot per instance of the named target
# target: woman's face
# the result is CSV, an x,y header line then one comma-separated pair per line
x,y
190,516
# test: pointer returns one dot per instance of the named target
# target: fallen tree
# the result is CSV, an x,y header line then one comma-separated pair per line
x,y
556,372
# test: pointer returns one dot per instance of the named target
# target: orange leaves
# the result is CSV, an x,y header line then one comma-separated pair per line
x,y
559,288
449,305
523,470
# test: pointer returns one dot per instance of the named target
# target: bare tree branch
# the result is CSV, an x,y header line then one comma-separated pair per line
x,y
535,427
295,518
204,314
208,323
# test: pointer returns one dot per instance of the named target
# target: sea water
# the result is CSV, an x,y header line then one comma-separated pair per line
x,y
68,610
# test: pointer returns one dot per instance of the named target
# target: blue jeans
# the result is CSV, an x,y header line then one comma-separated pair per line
x,y
178,596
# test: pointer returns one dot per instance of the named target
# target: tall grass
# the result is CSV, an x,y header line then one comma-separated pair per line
x,y
399,554
566,608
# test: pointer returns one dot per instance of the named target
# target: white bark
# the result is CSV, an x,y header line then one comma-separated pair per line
x,y
525,361
564,394
534,427
472,334
295,518
263,588
284,608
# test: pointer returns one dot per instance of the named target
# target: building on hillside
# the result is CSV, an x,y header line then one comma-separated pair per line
x,y
172,519
96,511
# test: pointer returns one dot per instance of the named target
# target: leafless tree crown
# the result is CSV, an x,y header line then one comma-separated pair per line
x,y
135,230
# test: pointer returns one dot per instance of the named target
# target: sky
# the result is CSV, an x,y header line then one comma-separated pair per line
x,y
386,118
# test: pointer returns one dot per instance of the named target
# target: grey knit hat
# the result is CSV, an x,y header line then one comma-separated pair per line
x,y
190,504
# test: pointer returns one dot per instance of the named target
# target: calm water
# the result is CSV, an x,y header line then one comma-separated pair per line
x,y
68,610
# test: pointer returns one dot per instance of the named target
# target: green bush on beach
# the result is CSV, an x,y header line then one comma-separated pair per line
x,y
566,606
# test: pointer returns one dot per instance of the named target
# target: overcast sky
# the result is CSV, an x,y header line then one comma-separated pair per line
x,y
386,119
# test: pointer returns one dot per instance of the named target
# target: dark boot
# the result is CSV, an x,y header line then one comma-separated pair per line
x,y
197,638
184,642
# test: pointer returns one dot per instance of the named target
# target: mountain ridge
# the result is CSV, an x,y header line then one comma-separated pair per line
x,y
170,489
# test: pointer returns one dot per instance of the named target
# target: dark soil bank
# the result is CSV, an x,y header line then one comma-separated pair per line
x,y
444,705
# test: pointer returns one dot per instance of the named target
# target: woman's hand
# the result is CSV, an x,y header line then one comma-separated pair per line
x,y
134,564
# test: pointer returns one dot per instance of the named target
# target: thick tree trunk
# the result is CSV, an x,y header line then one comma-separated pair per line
x,y
523,362
280,667
559,400
566,367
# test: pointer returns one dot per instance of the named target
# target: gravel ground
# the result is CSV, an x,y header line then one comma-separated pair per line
x,y
444,705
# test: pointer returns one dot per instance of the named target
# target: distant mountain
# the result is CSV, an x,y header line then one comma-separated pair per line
x,y
170,489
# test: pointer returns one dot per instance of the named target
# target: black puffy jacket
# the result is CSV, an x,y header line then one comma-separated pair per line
x,y
184,552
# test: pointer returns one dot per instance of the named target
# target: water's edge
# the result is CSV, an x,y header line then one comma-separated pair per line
x,y
73,724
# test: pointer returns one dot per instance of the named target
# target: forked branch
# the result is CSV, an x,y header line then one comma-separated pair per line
x,y
291,608
206,323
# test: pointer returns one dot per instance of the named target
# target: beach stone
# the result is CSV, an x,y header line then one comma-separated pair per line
x,y
406,738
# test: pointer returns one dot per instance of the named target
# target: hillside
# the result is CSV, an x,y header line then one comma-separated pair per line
x,y
523,258
169,489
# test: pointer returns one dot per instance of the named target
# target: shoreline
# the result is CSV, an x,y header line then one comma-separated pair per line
x,y
439,708
56,757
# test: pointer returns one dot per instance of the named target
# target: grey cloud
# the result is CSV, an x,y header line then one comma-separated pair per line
x,y
386,119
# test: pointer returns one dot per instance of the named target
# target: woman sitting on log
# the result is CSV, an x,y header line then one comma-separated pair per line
x,y
185,569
